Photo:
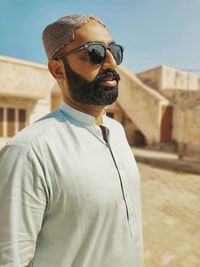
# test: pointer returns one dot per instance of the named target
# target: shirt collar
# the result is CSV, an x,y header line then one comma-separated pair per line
x,y
77,115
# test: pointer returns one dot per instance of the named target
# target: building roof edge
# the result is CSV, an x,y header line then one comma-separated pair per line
x,y
22,62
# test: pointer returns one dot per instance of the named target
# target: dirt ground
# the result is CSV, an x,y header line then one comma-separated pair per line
x,y
171,217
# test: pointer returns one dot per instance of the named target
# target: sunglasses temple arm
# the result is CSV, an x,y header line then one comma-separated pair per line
x,y
71,52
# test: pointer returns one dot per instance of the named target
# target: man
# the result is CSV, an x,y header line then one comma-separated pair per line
x,y
69,187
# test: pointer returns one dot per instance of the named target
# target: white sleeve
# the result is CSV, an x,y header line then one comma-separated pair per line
x,y
23,201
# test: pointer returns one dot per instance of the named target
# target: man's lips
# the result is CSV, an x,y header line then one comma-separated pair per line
x,y
108,78
110,82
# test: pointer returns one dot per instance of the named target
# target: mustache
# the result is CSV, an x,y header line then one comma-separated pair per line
x,y
107,74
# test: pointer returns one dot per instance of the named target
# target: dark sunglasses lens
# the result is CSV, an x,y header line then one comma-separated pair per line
x,y
117,52
96,53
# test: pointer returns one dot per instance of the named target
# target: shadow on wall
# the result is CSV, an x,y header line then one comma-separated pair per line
x,y
138,139
134,136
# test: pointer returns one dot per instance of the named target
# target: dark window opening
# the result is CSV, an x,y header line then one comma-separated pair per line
x,y
1,121
10,122
110,114
22,118
139,139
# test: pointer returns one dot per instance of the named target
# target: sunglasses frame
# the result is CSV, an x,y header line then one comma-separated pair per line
x,y
85,46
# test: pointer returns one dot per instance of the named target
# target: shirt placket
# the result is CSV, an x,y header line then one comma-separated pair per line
x,y
101,132
124,187
128,199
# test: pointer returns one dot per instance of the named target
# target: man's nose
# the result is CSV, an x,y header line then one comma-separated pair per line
x,y
110,62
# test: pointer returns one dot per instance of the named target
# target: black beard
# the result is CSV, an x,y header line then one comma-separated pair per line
x,y
91,92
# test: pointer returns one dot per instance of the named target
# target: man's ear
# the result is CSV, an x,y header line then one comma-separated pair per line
x,y
56,69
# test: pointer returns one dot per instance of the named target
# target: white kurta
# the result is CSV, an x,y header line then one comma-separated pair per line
x,y
67,197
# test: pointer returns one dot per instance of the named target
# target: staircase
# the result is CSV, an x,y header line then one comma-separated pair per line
x,y
142,104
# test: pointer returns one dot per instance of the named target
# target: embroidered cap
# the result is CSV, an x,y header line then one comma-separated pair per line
x,y
61,32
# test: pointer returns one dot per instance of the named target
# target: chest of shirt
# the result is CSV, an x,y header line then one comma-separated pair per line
x,y
88,171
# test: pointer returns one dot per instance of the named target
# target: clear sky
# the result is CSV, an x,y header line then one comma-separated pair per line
x,y
153,32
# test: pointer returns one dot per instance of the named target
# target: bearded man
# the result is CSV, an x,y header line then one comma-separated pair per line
x,y
69,187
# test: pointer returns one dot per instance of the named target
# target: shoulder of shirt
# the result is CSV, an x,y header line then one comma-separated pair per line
x,y
109,122
39,129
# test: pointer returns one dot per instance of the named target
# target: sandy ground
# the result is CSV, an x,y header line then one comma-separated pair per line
x,y
171,217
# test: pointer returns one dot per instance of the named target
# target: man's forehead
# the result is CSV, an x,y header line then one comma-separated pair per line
x,y
92,31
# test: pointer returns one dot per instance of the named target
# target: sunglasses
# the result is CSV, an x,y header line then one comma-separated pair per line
x,y
96,52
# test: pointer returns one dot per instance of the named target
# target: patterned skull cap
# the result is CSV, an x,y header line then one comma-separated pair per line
x,y
61,32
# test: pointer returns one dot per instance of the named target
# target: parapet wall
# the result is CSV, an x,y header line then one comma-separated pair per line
x,y
20,78
164,77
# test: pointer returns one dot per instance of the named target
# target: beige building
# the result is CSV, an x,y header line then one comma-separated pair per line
x,y
183,91
154,106
24,95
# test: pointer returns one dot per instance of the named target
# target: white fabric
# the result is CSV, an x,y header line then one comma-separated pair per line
x,y
68,198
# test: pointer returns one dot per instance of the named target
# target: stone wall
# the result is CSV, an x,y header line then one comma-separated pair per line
x,y
176,79
27,85
24,79
186,122
164,77
152,77
24,85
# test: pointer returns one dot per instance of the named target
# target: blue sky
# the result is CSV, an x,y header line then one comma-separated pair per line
x,y
153,32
